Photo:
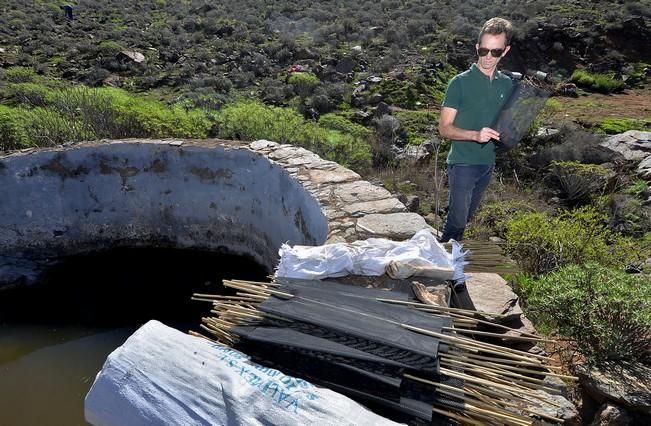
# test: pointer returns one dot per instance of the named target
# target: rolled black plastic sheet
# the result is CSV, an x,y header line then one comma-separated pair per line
x,y
354,320
518,113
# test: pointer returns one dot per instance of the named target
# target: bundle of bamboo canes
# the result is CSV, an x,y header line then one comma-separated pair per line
x,y
416,359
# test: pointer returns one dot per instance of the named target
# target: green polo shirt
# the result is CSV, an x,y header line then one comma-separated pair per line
x,y
478,100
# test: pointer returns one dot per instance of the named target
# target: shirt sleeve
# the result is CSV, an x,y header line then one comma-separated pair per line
x,y
452,97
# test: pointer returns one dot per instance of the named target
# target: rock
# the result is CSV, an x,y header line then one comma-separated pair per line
x,y
546,132
612,415
519,326
556,383
496,240
628,385
389,205
336,175
634,145
412,202
559,408
416,155
644,168
396,226
433,219
362,117
491,294
375,79
382,109
360,191
375,98
112,80
130,55
357,101
356,49
567,89
346,65
304,53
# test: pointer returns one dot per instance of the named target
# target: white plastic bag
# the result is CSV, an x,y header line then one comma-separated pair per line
x,y
422,254
161,376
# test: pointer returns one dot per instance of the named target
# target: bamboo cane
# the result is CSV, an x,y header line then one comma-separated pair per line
x,y
502,336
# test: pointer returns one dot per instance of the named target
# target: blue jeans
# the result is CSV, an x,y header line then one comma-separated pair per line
x,y
467,183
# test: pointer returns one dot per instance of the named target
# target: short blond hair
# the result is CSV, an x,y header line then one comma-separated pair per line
x,y
497,26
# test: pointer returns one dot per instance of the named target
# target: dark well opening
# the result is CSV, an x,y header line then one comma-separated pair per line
x,y
55,335
127,286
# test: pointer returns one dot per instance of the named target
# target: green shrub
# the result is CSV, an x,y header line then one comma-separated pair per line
x,y
251,120
637,188
613,126
397,92
12,129
46,127
29,94
303,82
108,48
578,181
607,312
603,83
337,122
545,115
492,218
20,75
82,113
628,215
540,244
418,125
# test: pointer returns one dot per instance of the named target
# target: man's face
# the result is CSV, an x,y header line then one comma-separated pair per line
x,y
488,62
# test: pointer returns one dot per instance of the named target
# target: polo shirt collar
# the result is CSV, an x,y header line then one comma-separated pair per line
x,y
475,70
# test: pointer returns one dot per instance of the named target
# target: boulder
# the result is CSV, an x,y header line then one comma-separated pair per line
x,y
346,65
628,385
304,53
490,293
412,202
130,56
417,155
634,145
395,226
559,407
612,415
644,168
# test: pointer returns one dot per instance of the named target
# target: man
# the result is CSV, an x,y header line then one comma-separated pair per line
x,y
471,105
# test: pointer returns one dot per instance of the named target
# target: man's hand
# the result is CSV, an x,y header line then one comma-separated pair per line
x,y
486,134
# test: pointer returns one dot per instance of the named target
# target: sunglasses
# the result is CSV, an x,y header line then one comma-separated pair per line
x,y
495,53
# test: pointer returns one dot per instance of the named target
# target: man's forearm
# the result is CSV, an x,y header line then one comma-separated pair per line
x,y
457,134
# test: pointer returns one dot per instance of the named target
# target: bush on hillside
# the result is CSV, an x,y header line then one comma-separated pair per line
x,y
81,113
20,75
541,244
303,83
12,129
607,312
251,120
613,126
578,182
492,218
602,83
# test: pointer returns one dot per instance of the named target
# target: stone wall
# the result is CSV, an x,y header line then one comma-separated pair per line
x,y
209,195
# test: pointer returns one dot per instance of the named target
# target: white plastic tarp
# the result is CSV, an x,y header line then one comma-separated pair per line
x,y
161,376
415,256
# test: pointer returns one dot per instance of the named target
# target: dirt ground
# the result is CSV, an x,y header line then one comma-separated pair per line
x,y
594,107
